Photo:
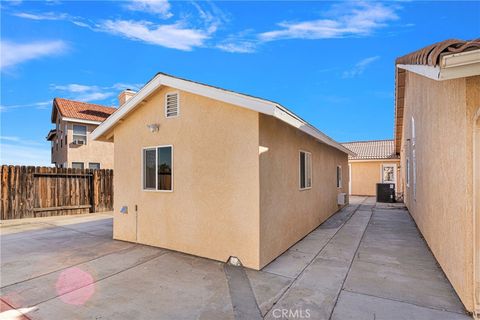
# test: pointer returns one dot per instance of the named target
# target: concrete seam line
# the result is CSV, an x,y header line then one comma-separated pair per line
x,y
244,302
315,256
73,265
276,274
401,301
106,277
351,263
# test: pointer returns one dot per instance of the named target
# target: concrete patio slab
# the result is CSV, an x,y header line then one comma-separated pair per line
x,y
37,290
365,262
317,288
353,306
172,286
408,275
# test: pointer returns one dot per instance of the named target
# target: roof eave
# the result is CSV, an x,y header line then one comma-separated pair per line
x,y
452,66
256,104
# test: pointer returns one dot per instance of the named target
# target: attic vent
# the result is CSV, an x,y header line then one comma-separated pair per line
x,y
172,108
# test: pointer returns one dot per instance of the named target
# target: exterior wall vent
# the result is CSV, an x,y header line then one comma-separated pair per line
x,y
172,106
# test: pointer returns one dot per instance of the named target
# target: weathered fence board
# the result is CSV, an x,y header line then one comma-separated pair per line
x,y
28,192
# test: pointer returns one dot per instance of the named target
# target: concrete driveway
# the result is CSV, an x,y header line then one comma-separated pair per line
x,y
365,262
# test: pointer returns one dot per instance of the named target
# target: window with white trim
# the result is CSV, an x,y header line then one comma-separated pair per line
x,y
408,172
158,168
305,170
339,176
79,134
172,105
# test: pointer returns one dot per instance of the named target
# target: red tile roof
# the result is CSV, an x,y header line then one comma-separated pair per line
x,y
430,55
82,110
376,149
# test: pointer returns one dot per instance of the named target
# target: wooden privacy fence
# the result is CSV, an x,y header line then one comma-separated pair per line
x,y
29,192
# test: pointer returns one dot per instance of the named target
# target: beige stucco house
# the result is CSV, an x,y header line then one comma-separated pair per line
x,y
374,162
216,174
71,143
437,134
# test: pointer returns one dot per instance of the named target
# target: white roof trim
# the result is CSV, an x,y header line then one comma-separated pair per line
x,y
80,120
423,70
452,66
460,59
255,104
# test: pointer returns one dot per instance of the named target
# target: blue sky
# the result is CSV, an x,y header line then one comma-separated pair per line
x,y
332,63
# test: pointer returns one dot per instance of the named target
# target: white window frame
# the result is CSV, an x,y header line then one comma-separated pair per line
x,y
178,104
414,162
339,177
86,132
309,154
156,168
407,164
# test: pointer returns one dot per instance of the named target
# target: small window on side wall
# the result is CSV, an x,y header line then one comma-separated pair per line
x,y
77,165
339,176
172,105
158,168
305,170
94,165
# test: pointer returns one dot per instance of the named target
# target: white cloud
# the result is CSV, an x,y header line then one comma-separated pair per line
x,y
158,7
15,53
89,93
237,47
42,16
342,20
93,96
18,153
37,105
75,88
83,93
173,36
9,138
359,67
122,86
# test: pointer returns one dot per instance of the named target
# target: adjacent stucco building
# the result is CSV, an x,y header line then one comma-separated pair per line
x,y
71,144
437,134
374,162
215,173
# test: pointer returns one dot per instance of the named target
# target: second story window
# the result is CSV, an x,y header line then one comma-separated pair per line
x,y
79,134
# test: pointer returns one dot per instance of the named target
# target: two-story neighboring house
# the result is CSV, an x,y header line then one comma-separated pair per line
x,y
70,139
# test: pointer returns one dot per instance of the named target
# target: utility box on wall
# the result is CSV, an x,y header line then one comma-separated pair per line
x,y
342,199
386,192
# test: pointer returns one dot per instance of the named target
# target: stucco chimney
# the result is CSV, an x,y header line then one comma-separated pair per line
x,y
124,96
